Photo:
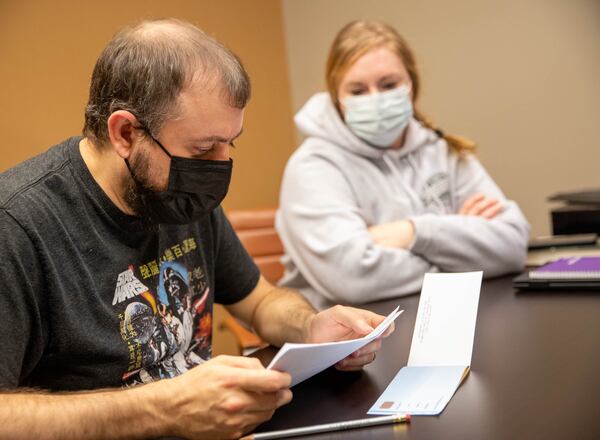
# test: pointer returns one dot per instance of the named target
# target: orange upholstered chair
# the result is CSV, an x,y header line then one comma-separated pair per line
x,y
256,230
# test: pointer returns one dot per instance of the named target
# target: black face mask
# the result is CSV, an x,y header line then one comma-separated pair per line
x,y
196,187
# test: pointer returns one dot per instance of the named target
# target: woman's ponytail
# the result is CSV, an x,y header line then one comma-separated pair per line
x,y
457,144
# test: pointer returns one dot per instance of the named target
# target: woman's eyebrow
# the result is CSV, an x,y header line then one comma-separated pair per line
x,y
392,76
355,84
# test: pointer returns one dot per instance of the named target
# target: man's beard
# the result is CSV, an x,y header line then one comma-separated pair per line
x,y
138,191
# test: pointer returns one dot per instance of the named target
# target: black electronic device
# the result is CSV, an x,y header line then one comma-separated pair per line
x,y
575,219
589,198
580,213
525,282
550,241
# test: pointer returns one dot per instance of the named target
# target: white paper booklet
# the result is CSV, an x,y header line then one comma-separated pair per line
x,y
305,360
441,348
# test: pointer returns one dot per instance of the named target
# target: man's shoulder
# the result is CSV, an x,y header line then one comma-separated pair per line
x,y
33,172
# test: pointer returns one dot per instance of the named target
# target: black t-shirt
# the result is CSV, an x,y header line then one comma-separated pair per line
x,y
91,298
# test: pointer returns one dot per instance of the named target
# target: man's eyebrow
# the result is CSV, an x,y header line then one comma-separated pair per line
x,y
219,138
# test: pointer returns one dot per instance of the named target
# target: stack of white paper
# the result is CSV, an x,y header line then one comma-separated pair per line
x,y
441,348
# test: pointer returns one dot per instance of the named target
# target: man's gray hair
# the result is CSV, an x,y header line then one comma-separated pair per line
x,y
144,68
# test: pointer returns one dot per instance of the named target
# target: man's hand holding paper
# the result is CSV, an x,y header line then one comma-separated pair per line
x,y
305,360
344,323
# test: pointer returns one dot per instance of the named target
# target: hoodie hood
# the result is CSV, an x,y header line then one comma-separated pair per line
x,y
319,118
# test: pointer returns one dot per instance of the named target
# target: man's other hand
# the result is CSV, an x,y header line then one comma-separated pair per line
x,y
223,398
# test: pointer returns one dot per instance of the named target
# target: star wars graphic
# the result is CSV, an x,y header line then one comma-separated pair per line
x,y
168,328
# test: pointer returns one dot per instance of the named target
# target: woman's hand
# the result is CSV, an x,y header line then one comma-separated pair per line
x,y
481,206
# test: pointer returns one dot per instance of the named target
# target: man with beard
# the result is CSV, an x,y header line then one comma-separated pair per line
x,y
86,228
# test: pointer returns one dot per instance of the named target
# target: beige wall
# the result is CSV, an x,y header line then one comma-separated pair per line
x,y
48,49
521,77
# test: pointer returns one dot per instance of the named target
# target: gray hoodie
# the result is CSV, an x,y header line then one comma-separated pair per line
x,y
335,186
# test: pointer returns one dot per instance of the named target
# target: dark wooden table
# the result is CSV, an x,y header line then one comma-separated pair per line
x,y
535,374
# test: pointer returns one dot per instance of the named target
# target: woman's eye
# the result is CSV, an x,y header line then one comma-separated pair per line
x,y
357,92
389,86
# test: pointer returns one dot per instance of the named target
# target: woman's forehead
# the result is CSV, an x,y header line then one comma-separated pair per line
x,y
375,64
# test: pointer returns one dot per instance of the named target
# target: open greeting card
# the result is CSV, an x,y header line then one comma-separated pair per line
x,y
441,348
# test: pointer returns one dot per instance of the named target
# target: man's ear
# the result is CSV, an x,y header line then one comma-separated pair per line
x,y
121,131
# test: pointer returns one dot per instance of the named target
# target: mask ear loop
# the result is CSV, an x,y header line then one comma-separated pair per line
x,y
162,147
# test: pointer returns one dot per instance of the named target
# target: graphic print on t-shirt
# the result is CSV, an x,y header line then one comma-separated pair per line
x,y
165,314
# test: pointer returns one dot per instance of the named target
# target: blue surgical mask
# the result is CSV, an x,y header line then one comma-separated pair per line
x,y
379,118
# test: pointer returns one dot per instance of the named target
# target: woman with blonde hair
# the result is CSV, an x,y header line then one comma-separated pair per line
x,y
376,195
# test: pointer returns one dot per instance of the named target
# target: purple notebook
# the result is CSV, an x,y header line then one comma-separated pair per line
x,y
587,268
